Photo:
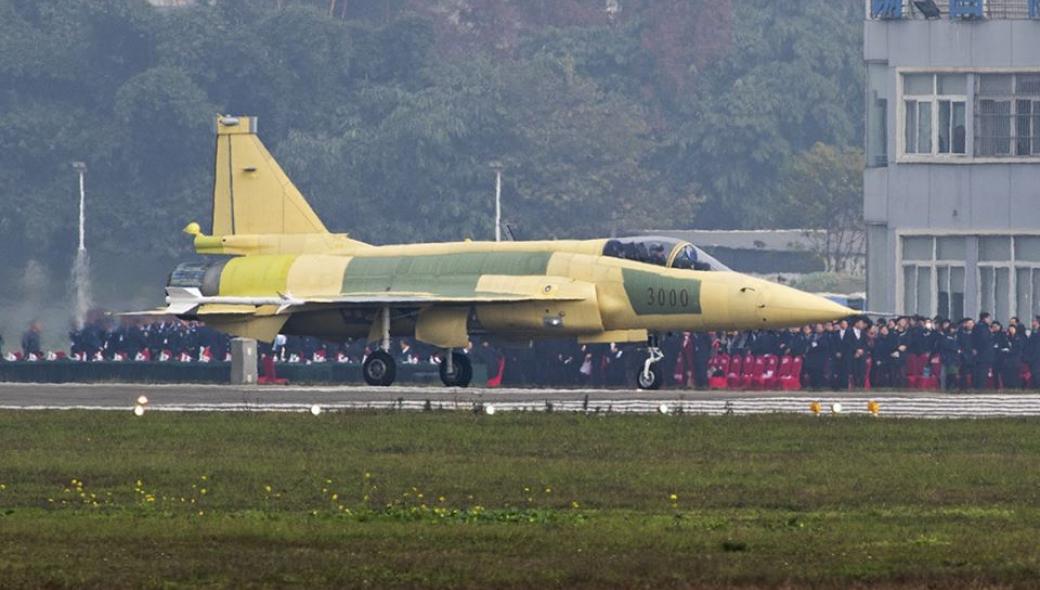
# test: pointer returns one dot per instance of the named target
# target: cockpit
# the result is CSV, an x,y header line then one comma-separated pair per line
x,y
662,251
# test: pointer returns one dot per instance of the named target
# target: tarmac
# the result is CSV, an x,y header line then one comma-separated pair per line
x,y
225,398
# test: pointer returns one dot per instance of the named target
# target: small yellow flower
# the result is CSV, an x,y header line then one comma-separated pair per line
x,y
267,488
574,504
367,476
673,498
203,491
203,478
335,497
548,490
201,513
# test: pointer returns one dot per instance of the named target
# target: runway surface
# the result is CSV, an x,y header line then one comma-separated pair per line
x,y
219,398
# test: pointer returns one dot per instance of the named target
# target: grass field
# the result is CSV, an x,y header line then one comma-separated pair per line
x,y
515,500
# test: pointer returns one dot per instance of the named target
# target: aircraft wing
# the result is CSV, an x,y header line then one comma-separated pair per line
x,y
181,300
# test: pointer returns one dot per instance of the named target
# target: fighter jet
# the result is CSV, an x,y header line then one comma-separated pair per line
x,y
278,270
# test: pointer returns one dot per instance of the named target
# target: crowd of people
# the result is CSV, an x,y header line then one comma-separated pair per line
x,y
850,353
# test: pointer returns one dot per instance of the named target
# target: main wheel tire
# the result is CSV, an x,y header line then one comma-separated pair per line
x,y
462,370
379,368
652,380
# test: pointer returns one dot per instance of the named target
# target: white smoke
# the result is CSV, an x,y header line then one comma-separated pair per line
x,y
81,295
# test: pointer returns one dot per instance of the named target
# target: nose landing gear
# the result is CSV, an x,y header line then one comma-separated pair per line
x,y
650,374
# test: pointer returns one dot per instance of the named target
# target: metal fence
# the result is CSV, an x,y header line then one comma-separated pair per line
x,y
955,9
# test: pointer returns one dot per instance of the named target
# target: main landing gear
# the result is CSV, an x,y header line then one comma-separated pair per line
x,y
456,369
650,375
379,368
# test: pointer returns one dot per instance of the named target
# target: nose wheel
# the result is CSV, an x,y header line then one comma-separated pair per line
x,y
650,375
456,369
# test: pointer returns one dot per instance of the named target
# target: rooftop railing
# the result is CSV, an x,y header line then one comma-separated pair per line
x,y
952,9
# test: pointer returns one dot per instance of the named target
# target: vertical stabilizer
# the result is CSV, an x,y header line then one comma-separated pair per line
x,y
251,192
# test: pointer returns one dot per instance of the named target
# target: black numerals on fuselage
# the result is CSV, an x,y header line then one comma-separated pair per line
x,y
667,298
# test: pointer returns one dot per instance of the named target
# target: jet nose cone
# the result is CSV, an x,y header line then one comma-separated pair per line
x,y
783,306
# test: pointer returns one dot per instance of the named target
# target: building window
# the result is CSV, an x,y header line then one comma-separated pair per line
x,y
877,115
1007,115
1007,275
934,107
933,275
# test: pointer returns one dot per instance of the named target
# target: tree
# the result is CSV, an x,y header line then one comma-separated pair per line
x,y
793,78
823,189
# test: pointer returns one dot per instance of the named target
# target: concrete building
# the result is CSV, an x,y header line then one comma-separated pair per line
x,y
952,184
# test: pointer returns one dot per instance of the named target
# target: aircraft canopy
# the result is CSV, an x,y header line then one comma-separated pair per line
x,y
662,251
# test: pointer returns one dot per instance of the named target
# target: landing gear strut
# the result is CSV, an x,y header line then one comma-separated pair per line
x,y
379,368
456,369
650,374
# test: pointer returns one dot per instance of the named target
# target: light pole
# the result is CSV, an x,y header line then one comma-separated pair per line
x,y
81,168
497,167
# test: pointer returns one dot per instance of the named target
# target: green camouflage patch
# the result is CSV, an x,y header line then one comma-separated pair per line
x,y
442,274
654,294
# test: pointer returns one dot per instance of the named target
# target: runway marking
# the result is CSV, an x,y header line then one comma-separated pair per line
x,y
948,406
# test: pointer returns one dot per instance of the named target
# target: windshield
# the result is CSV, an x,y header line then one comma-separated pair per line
x,y
662,251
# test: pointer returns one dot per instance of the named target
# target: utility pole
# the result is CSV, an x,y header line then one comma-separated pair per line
x,y
497,167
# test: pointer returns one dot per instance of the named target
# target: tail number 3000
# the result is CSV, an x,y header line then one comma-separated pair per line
x,y
667,298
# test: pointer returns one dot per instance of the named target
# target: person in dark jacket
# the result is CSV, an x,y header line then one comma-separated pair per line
x,y
950,355
1032,353
798,341
703,350
816,354
838,364
967,348
31,340
881,353
856,352
1001,347
766,342
982,347
898,338
1011,361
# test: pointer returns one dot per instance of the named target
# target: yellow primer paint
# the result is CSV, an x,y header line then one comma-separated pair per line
x,y
443,326
316,275
282,247
251,192
256,275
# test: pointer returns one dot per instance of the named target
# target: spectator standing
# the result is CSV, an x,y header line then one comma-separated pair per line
x,y
838,365
950,354
966,344
1011,373
1032,353
816,355
856,352
982,347
31,340
881,354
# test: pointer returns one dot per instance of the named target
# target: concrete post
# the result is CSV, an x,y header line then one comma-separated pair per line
x,y
243,361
